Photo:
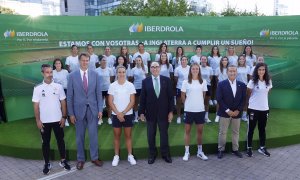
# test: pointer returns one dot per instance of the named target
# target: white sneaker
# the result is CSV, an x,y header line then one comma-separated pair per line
x,y
186,156
207,120
217,119
115,161
67,123
244,117
100,122
178,120
136,120
131,159
202,156
211,103
215,102
109,121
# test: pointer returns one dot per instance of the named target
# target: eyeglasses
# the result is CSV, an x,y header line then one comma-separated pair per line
x,y
154,67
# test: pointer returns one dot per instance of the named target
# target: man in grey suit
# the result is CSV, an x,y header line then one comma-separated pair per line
x,y
84,100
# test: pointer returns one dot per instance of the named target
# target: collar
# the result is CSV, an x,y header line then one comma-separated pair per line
x,y
48,84
81,71
234,82
154,77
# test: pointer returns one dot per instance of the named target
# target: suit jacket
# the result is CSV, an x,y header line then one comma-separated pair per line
x,y
78,100
226,100
156,107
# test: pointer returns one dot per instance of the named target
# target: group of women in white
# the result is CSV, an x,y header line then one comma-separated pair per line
x,y
195,81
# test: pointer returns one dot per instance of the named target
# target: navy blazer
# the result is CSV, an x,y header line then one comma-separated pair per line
x,y
226,100
153,107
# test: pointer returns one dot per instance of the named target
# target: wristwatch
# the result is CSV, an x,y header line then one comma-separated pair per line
x,y
65,117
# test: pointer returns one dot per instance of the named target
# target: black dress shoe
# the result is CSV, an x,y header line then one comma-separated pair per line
x,y
151,160
220,154
237,153
167,159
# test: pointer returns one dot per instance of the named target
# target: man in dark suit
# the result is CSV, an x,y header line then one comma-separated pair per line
x,y
84,100
156,104
231,97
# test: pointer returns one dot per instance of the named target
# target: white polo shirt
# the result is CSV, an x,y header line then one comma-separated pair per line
x,y
93,60
176,64
221,76
195,59
139,75
194,101
259,97
111,60
104,77
145,57
233,60
121,95
182,74
72,62
251,60
214,63
165,71
206,73
49,96
242,74
61,77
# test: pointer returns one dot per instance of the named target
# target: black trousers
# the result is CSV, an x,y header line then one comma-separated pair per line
x,y
163,126
260,118
46,136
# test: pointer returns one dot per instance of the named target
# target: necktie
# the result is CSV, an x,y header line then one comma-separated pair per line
x,y
85,84
156,88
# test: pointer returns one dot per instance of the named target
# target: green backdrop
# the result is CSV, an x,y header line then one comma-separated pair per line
x,y
27,43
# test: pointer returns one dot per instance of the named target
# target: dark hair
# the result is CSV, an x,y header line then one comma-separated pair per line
x,y
126,55
251,53
198,46
43,66
83,54
185,57
160,47
140,43
89,44
239,60
231,66
207,63
190,76
177,55
255,76
143,66
212,51
125,62
55,60
100,57
167,61
74,46
221,64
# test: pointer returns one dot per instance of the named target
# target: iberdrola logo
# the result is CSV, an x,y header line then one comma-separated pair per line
x,y
136,28
264,33
9,34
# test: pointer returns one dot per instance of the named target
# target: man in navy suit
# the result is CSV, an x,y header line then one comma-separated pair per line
x,y
84,100
156,104
231,97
